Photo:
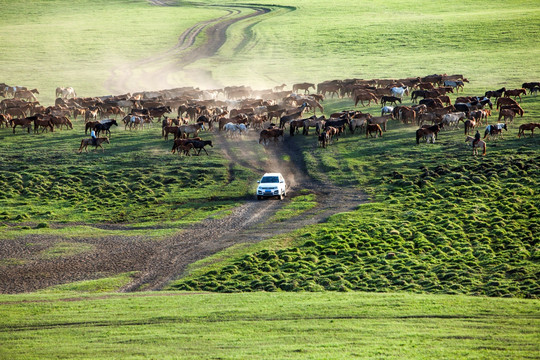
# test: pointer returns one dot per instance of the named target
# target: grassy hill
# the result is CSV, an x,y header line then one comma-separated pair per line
x,y
441,224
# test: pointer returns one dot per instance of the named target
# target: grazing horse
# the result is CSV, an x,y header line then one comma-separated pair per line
x,y
67,92
24,123
529,127
380,120
458,84
508,115
515,108
373,128
493,130
45,123
26,94
479,144
506,101
387,110
427,134
99,141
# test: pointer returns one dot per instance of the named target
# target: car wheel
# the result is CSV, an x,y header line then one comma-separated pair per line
x,y
259,197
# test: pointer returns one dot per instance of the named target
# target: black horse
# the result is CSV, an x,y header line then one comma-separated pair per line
x,y
105,125
495,93
200,144
418,93
389,99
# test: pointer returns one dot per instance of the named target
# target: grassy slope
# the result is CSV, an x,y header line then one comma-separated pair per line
x,y
163,190
381,39
324,56
45,46
291,326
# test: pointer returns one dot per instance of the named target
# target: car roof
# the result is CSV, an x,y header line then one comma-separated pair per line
x,y
273,174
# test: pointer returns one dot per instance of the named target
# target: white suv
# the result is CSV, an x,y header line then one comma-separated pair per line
x,y
271,184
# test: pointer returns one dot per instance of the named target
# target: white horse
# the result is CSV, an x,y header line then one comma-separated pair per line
x,y
452,120
398,91
67,92
235,129
387,110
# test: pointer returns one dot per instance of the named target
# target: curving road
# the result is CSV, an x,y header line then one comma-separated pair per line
x,y
130,77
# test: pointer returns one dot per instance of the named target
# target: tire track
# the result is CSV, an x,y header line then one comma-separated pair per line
x,y
184,52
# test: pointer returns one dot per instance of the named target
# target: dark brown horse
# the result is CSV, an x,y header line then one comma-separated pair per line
x,y
24,123
270,134
45,123
428,131
373,128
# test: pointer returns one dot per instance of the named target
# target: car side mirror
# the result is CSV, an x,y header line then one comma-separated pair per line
x,y
281,182
258,181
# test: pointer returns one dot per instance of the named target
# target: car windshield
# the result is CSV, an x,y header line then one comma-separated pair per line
x,y
270,179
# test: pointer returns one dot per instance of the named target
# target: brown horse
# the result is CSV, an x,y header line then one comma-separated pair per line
x,y
365,96
515,93
429,132
169,130
90,125
302,86
99,141
270,134
373,128
24,123
529,127
470,125
183,146
45,123
507,114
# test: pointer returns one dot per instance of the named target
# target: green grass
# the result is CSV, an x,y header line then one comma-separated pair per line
x,y
136,180
440,221
291,326
79,43
298,205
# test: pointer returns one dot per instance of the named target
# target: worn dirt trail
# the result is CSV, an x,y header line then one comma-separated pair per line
x,y
158,262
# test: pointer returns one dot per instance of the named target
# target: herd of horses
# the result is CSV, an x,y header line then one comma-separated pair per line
x,y
431,110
